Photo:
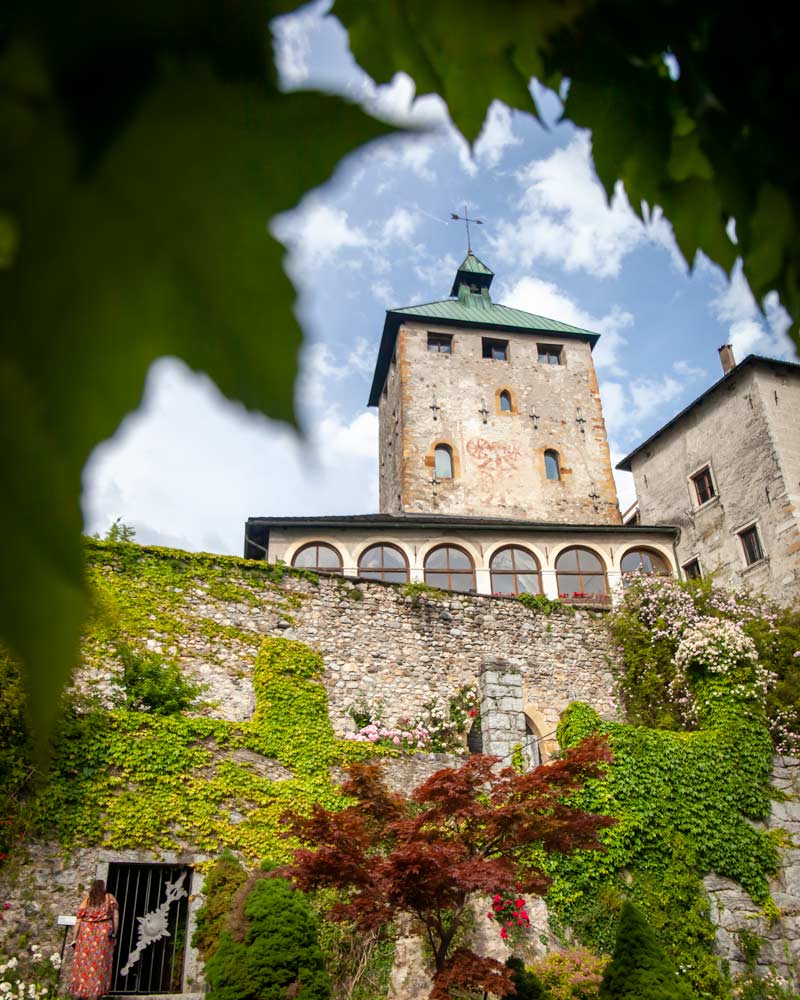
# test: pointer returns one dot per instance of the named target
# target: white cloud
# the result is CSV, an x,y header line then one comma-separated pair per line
x,y
337,440
687,369
317,231
563,216
544,298
190,467
496,136
749,330
649,395
292,45
400,225
615,406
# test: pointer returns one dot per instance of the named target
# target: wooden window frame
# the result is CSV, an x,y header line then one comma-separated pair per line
x,y
550,351
319,569
488,346
752,546
440,339
448,570
581,574
692,576
379,573
702,482
639,549
514,572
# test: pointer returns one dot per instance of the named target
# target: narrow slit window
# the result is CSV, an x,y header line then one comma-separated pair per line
x,y
444,461
505,402
552,466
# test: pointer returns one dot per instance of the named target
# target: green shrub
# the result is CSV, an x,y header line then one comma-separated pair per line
x,y
225,877
543,604
150,684
271,950
639,969
574,974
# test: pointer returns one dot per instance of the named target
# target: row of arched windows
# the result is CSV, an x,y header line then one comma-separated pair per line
x,y
443,462
514,569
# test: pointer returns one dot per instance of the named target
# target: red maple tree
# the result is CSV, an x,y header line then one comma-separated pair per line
x,y
464,831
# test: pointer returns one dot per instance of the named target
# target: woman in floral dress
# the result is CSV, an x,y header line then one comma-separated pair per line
x,y
95,936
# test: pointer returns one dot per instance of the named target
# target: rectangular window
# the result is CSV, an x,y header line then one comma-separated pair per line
x,y
704,485
751,544
550,354
497,350
692,569
440,343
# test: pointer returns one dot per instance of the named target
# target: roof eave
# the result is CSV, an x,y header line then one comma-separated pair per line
x,y
394,318
751,360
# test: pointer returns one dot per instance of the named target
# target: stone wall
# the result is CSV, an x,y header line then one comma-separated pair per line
x,y
733,910
396,653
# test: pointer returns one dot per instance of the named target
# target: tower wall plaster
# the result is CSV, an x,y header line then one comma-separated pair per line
x,y
500,455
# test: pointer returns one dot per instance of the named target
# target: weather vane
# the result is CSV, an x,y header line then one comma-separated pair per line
x,y
466,219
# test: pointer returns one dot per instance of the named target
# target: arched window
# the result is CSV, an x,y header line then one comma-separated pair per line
x,y
514,570
383,562
580,573
552,467
506,405
443,454
318,556
644,561
449,568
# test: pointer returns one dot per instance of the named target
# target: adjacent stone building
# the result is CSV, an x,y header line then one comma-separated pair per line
x,y
726,470
495,474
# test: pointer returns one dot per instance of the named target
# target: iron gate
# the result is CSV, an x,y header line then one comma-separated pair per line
x,y
153,903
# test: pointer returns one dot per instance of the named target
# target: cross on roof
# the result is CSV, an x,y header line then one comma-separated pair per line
x,y
466,220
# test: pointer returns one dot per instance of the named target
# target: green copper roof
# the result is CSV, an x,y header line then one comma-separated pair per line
x,y
480,309
472,273
472,265
470,308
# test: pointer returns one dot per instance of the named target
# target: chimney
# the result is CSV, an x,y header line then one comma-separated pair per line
x,y
727,358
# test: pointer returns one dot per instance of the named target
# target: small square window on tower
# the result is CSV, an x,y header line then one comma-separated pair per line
x,y
550,354
703,485
440,343
497,350
751,545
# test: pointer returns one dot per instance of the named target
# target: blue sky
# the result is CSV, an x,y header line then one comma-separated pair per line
x,y
190,466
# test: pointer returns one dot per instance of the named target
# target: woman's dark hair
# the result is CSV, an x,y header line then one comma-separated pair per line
x,y
97,893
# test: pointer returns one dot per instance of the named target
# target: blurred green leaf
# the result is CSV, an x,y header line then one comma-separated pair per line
x,y
140,219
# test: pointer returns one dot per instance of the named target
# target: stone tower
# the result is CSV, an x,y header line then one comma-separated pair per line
x,y
487,411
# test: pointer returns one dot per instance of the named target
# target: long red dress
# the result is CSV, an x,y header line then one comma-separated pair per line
x,y
94,950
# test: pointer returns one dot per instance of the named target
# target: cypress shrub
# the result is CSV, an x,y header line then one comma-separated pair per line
x,y
526,984
273,952
639,969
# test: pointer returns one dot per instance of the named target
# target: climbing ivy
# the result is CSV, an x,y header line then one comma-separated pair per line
x,y
131,779
686,802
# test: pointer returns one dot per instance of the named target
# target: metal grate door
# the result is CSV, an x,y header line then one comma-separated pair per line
x,y
153,903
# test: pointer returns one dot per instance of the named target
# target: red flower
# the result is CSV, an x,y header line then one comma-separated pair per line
x,y
503,933
520,903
